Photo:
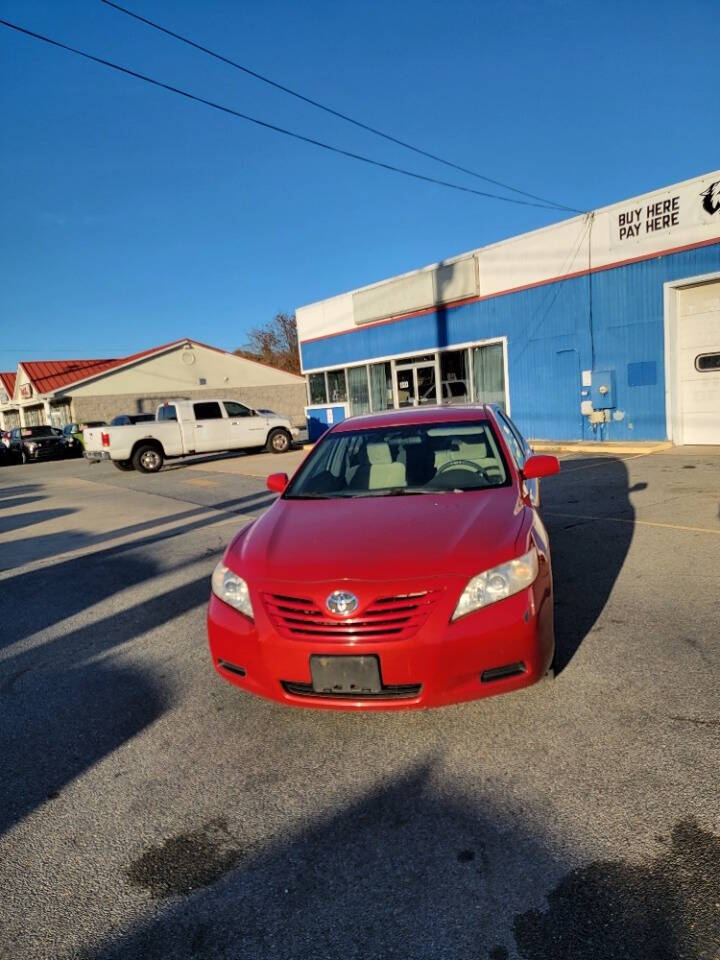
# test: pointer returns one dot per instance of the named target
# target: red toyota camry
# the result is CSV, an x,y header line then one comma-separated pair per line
x,y
403,565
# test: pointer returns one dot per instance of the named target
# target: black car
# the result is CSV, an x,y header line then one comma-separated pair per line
x,y
123,419
7,456
37,443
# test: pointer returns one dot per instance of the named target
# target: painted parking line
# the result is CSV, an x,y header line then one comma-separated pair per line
x,y
644,523
200,481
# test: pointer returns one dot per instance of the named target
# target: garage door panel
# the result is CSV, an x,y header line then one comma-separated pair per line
x,y
698,332
705,298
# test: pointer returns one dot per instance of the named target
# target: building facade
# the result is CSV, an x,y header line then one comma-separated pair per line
x,y
605,327
56,392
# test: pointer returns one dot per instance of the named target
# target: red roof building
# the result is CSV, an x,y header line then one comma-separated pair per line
x,y
7,379
62,391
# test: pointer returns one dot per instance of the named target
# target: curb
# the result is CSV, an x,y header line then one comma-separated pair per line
x,y
599,446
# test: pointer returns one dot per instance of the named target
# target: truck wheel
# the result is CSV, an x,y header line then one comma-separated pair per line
x,y
278,441
123,464
147,459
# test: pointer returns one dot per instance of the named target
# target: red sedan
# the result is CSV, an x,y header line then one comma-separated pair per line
x,y
404,565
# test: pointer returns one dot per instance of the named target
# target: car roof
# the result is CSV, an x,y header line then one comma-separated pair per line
x,y
407,416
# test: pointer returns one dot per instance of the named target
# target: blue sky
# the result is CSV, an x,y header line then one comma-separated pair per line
x,y
131,217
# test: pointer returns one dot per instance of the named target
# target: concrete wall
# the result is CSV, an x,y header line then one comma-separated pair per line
x,y
287,399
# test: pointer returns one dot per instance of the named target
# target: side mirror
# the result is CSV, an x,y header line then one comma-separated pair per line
x,y
540,465
277,482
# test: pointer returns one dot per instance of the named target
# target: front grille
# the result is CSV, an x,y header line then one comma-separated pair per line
x,y
387,618
392,692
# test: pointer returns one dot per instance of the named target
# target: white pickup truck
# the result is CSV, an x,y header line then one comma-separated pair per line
x,y
183,428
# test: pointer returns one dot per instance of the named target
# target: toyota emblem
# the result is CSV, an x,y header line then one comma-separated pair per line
x,y
342,603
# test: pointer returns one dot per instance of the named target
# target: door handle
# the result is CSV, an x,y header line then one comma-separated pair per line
x,y
199,426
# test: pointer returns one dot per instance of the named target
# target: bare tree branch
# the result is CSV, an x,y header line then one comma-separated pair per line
x,y
275,344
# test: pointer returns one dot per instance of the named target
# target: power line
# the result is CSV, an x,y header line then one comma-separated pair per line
x,y
330,110
265,124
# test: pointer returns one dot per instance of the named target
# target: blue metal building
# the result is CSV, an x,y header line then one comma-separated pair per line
x,y
604,327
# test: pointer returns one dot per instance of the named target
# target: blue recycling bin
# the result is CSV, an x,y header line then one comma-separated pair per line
x,y
321,416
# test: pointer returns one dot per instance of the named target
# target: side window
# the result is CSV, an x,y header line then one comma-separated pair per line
x,y
167,412
236,409
513,440
207,411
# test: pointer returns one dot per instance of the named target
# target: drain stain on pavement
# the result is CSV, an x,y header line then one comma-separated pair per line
x,y
667,909
186,862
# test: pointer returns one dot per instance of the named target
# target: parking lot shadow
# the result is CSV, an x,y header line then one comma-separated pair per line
x,y
11,522
587,554
407,871
64,703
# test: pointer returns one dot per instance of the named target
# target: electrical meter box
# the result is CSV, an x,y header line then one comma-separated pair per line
x,y
602,389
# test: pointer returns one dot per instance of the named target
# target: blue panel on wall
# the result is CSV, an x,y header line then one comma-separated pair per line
x,y
643,374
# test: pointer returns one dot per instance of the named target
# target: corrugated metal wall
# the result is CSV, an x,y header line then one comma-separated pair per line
x,y
549,344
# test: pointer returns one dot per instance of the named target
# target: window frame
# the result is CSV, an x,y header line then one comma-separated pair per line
x,y
249,412
208,403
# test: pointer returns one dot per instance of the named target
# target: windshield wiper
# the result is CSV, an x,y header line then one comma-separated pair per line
x,y
395,492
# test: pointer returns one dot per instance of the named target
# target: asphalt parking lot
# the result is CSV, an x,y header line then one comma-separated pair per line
x,y
149,810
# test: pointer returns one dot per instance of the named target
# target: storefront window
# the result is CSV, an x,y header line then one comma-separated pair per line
x,y
381,393
489,374
359,393
454,377
316,384
337,388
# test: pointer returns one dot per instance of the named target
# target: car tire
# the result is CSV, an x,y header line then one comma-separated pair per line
x,y
147,459
279,441
123,464
24,458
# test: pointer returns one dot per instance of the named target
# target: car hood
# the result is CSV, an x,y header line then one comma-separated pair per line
x,y
377,538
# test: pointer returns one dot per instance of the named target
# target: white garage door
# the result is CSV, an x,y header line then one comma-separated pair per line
x,y
698,359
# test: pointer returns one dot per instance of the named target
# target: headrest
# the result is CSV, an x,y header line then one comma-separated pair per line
x,y
379,453
473,451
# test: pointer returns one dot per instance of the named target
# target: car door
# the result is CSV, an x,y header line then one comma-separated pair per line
x,y
212,429
247,429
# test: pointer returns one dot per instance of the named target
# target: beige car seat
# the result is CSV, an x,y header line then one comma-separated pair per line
x,y
382,471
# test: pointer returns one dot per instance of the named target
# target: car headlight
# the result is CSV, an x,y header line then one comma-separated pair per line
x,y
496,584
32,447
232,589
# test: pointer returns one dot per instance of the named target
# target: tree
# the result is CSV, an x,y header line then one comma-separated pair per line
x,y
275,344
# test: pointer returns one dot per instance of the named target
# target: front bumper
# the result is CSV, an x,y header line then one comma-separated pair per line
x,y
442,663
46,453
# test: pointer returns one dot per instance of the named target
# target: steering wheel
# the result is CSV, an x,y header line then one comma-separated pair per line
x,y
463,464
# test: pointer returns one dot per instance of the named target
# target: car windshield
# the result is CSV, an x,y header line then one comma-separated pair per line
x,y
451,457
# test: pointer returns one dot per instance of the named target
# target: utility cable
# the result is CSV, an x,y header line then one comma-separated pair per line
x,y
330,110
265,124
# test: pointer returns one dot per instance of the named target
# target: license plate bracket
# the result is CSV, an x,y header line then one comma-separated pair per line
x,y
345,675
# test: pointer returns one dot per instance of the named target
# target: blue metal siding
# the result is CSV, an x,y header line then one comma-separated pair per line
x,y
543,325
